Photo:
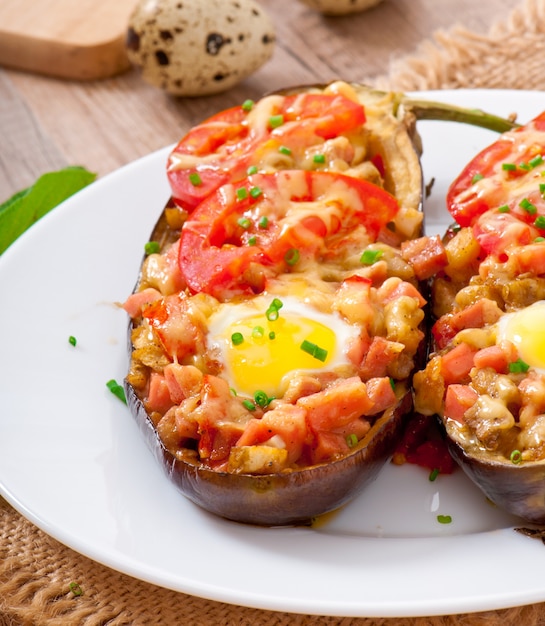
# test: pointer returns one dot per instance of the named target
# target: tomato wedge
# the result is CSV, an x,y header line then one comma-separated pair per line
x,y
223,147
269,223
502,174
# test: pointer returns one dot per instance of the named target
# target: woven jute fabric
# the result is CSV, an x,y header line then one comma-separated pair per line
x,y
36,571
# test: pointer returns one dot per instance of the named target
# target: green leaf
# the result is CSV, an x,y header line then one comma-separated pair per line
x,y
29,205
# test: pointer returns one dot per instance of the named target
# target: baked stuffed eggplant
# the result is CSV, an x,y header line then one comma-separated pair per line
x,y
278,316
486,376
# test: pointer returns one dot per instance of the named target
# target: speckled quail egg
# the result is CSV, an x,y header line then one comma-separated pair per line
x,y
340,7
198,47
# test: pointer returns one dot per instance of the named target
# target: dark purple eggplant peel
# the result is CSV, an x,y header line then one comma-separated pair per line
x,y
296,496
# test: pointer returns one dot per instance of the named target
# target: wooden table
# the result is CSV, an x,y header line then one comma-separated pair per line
x,y
47,123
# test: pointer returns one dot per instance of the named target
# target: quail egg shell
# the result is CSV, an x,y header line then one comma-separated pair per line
x,y
340,7
197,47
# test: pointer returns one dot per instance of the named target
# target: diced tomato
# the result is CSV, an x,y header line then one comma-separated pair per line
x,y
427,255
182,381
497,232
530,258
458,399
225,236
457,363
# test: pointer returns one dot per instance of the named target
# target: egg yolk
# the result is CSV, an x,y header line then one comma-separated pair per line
x,y
526,330
260,352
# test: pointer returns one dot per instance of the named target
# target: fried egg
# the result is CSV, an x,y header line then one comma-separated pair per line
x,y
261,341
526,330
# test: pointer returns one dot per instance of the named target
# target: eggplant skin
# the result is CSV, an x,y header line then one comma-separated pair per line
x,y
281,499
516,488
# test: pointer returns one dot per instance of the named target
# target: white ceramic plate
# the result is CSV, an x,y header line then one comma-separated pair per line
x,y
73,462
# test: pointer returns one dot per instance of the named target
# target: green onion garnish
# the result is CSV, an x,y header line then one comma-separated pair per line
x,y
237,339
433,475
314,350
516,457
248,105
272,312
444,519
272,335
319,158
255,192
117,390
504,208
292,256
249,405
527,206
72,340
393,384
252,241
195,179
263,221
539,239
352,440
537,160
476,178
258,331
152,247
244,222
252,170
524,166
276,120
261,399
540,221
284,150
518,367
370,256
242,193
76,589
509,167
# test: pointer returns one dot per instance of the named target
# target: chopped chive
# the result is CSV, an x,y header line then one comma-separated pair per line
x,y
76,589
195,179
244,222
444,519
276,120
524,166
117,390
249,405
504,208
152,247
72,340
370,256
272,313
392,384
319,158
258,331
255,192
233,391
242,193
539,239
252,241
540,221
237,339
292,256
261,399
509,167
528,206
476,178
314,350
284,150
537,160
352,440
251,170
248,105
433,475
518,367
272,335
516,457
542,188
263,221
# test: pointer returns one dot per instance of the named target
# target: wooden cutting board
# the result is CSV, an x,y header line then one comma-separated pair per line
x,y
76,39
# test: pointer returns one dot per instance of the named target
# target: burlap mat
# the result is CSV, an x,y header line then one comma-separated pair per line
x,y
36,571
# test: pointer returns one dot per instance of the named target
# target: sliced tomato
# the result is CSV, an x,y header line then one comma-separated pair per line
x,y
221,148
261,227
484,183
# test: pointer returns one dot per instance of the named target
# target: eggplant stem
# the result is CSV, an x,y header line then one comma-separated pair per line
x,y
428,110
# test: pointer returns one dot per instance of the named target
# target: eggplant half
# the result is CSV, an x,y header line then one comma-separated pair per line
x,y
298,493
